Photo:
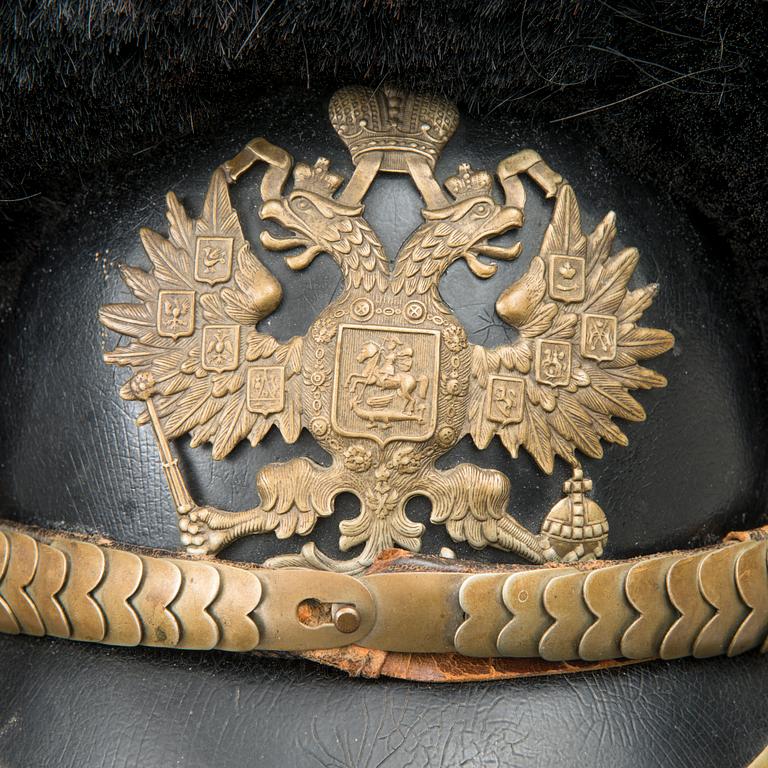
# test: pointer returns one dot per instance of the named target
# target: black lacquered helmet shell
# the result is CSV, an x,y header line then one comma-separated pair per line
x,y
679,481
365,332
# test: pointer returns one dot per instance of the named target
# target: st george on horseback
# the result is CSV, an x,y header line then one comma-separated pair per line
x,y
385,390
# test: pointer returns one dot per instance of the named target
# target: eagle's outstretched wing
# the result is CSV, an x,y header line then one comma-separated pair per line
x,y
558,387
194,331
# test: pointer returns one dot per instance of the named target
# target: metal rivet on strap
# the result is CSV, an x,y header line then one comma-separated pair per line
x,y
346,618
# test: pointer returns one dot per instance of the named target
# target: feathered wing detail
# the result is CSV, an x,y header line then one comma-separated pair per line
x,y
427,252
358,252
556,390
226,290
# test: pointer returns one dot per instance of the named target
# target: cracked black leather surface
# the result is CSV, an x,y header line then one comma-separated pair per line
x,y
691,473
73,459
68,705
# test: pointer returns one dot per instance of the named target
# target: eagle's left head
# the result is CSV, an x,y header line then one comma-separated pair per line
x,y
320,223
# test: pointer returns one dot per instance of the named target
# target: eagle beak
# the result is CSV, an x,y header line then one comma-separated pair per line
x,y
272,210
477,267
272,243
485,271
305,258
499,252
275,210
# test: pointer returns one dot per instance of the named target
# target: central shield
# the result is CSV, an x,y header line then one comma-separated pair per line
x,y
385,383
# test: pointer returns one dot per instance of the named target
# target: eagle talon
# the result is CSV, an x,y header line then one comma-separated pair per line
x,y
574,555
553,391
547,550
204,530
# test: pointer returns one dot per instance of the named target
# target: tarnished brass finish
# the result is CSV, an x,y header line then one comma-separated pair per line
x,y
346,618
385,379
703,603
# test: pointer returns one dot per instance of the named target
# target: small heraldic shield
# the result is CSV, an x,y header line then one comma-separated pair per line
x,y
385,383
386,379
213,259
265,389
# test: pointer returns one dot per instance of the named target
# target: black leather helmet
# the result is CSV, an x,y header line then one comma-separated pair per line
x,y
436,552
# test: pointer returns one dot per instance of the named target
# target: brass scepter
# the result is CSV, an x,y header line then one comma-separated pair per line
x,y
143,387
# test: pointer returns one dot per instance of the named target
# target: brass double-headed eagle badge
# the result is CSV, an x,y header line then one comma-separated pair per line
x,y
385,379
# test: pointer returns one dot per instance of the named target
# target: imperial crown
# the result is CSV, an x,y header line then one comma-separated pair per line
x,y
393,122
468,183
316,178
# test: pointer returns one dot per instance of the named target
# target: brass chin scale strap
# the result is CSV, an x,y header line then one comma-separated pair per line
x,y
702,603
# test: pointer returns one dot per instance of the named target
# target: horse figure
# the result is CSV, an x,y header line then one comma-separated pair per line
x,y
387,366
